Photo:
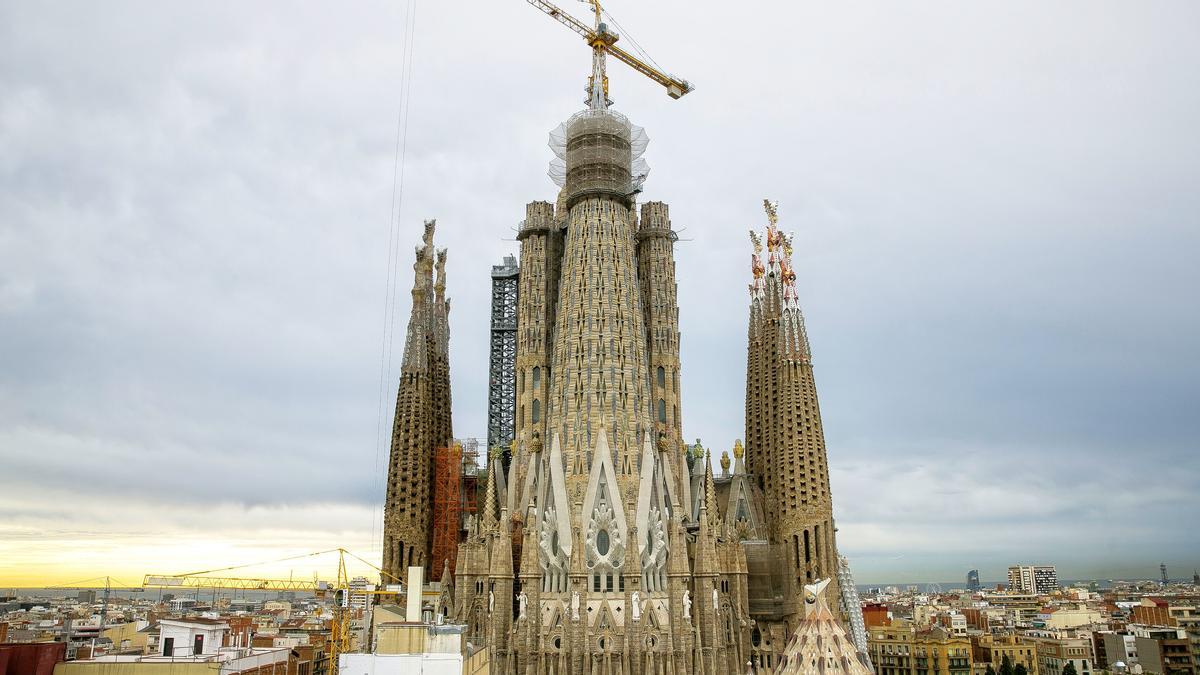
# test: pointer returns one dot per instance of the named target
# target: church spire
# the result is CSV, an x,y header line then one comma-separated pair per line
x,y
422,421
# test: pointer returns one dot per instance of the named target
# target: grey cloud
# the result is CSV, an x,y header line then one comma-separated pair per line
x,y
995,208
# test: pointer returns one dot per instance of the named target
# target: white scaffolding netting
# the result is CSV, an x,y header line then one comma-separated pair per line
x,y
598,151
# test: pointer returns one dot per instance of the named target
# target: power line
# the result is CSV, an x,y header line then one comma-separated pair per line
x,y
393,260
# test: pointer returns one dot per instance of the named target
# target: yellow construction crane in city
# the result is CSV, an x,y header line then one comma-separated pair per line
x,y
340,626
602,41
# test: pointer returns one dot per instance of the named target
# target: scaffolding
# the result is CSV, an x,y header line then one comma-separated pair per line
x,y
469,502
767,582
598,152
502,369
447,484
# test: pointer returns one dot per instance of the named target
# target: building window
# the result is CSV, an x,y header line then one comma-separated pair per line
x,y
662,410
537,376
662,377
537,411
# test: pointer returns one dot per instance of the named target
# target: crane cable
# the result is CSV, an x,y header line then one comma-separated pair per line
x,y
393,260
255,564
636,46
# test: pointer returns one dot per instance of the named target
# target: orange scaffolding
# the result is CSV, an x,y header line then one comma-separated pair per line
x,y
447,470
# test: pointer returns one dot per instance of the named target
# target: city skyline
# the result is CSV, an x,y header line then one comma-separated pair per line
x,y
992,252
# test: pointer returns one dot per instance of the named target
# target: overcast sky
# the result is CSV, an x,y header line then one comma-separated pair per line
x,y
995,209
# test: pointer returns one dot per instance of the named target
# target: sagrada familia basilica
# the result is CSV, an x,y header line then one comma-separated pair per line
x,y
604,542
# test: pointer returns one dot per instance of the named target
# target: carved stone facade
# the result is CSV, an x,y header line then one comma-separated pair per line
x,y
608,545
423,421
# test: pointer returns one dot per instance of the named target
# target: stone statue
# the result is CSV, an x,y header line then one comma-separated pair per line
x,y
574,605
637,606
687,604
492,602
714,599
522,605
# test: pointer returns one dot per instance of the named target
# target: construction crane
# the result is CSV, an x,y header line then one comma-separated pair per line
x,y
104,598
340,626
602,41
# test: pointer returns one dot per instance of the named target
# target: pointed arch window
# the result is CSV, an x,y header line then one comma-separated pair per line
x,y
537,411
662,410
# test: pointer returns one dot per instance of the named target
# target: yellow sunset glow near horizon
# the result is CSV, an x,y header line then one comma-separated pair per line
x,y
67,561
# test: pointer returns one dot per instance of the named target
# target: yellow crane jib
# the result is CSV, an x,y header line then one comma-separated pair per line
x,y
340,623
603,41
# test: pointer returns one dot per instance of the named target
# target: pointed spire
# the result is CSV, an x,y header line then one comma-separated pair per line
x,y
439,284
710,491
775,290
415,340
501,560
490,506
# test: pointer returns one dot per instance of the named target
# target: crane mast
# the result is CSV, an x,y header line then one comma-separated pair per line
x,y
602,41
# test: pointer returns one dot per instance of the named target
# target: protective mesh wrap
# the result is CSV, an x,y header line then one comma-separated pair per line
x,y
767,583
598,152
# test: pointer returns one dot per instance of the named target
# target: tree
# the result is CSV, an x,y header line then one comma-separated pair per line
x,y
990,670
1069,669
1020,670
1006,666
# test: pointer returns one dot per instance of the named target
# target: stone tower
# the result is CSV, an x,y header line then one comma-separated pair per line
x,y
785,443
422,422
595,553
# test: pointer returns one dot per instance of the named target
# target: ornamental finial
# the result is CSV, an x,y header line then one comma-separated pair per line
x,y
772,215
738,449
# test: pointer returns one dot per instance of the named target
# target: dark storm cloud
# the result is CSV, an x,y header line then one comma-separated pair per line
x,y
995,208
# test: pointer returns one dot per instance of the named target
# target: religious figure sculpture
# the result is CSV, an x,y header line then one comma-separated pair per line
x,y
522,605
637,606
491,602
574,605
687,604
